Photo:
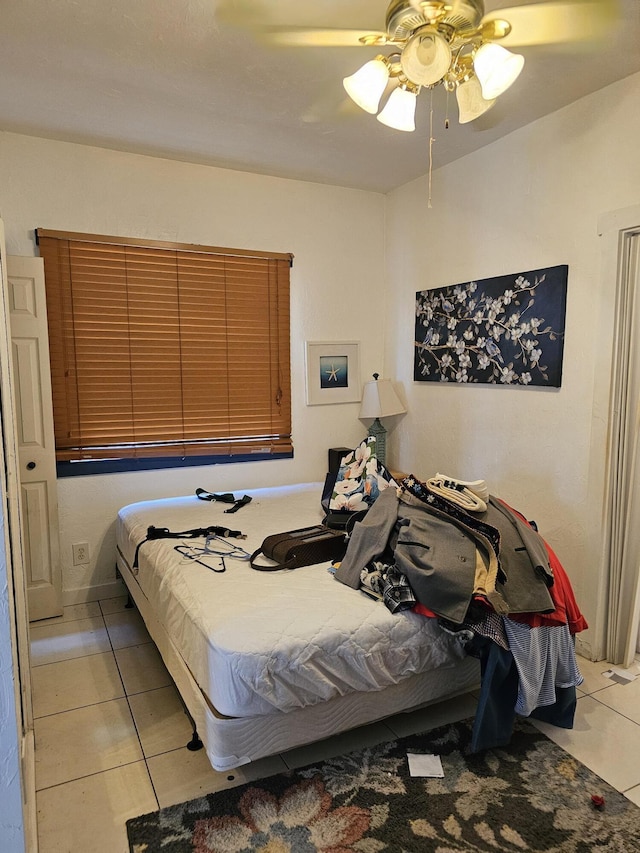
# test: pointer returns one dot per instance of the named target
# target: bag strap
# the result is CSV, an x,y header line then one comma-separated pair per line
x,y
278,566
343,521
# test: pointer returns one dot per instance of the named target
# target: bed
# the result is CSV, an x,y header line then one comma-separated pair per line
x,y
267,661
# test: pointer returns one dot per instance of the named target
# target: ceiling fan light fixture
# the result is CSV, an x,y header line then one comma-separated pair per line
x,y
400,110
496,68
366,86
471,103
426,57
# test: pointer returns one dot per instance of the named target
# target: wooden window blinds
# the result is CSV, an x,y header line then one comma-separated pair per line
x,y
162,349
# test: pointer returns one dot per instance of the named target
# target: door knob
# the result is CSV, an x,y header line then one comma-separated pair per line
x,y
31,466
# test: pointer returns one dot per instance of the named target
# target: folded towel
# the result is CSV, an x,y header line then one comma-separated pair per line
x,y
478,487
459,492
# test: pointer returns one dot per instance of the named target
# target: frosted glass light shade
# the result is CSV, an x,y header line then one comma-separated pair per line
x,y
496,68
426,58
366,86
400,110
471,104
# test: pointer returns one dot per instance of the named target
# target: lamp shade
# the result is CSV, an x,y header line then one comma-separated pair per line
x,y
471,104
426,58
496,68
379,400
366,86
400,110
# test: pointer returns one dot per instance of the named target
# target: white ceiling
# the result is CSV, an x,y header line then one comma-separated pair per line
x,y
171,78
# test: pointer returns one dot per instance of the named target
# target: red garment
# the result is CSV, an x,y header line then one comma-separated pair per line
x,y
424,611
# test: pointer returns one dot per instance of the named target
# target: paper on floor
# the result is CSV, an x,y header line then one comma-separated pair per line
x,y
622,676
425,765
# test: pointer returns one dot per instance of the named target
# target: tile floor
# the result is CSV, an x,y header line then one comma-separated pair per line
x,y
111,733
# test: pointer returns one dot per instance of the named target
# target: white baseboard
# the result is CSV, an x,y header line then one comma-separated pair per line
x,y
93,593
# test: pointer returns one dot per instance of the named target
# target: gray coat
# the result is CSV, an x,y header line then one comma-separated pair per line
x,y
438,555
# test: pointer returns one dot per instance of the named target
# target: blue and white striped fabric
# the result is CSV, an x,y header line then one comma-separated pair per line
x,y
545,658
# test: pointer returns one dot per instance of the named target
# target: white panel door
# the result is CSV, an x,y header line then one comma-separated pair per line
x,y
36,446
13,597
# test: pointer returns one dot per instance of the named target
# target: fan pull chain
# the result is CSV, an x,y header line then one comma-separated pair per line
x,y
431,141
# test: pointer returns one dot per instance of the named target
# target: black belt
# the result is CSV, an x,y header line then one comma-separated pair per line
x,y
225,498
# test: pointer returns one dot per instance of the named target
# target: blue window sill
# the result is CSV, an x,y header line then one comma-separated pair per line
x,y
113,466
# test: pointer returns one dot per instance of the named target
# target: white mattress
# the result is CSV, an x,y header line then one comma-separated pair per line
x,y
263,641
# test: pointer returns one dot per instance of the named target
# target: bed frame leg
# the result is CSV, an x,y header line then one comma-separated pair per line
x,y
195,743
129,605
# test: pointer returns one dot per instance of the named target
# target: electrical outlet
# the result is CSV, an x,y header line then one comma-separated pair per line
x,y
80,553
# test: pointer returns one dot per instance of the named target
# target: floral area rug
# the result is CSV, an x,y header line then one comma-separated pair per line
x,y
529,796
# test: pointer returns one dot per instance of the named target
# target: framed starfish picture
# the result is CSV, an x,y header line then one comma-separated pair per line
x,y
333,372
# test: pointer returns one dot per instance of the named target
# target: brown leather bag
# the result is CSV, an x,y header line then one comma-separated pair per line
x,y
303,547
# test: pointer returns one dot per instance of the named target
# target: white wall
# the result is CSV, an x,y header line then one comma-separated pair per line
x,y
337,281
529,201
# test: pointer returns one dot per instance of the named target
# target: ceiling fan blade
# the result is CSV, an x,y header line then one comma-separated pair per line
x,y
556,22
287,14
315,37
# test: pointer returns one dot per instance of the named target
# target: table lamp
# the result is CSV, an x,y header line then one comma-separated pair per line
x,y
379,400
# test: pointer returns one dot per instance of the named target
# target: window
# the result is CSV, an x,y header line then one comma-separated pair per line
x,y
165,354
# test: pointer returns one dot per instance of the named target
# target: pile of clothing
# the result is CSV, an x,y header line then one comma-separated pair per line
x,y
449,550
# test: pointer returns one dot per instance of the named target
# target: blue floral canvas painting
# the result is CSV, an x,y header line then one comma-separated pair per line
x,y
505,330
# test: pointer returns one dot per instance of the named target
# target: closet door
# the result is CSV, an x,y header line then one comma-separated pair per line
x,y
36,447
17,787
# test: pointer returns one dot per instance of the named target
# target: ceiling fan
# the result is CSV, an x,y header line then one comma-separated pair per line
x,y
449,43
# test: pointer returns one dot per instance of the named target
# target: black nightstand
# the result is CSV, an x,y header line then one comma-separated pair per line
x,y
336,455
